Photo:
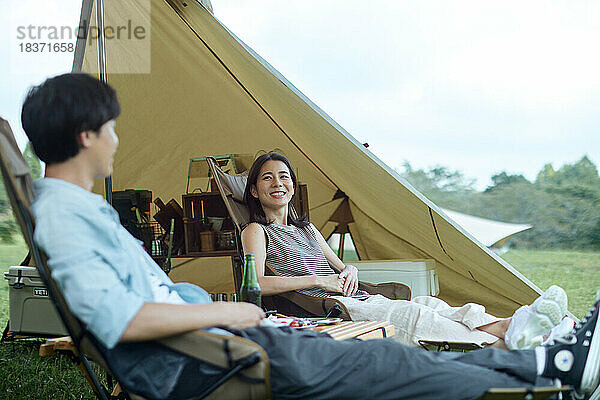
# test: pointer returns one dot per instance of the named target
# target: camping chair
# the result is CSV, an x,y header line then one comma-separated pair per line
x,y
234,355
294,302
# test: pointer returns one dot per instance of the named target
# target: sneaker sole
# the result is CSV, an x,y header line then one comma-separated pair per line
x,y
591,371
553,304
549,312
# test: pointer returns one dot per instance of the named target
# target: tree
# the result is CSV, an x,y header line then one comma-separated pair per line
x,y
8,226
563,205
436,179
583,172
503,179
33,161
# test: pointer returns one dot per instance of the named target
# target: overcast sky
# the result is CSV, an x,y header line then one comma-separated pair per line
x,y
477,86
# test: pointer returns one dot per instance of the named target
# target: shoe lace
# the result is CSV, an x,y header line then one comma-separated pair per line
x,y
570,337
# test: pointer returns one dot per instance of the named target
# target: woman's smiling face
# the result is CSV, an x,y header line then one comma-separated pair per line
x,y
274,186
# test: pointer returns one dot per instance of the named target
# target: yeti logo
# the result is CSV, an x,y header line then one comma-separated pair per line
x,y
40,292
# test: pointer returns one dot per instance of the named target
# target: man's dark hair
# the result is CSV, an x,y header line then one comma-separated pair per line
x,y
257,214
55,112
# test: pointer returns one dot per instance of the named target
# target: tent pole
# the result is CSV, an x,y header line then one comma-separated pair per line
x,y
341,248
102,76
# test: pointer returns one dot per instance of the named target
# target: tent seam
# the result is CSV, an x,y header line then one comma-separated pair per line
x,y
437,234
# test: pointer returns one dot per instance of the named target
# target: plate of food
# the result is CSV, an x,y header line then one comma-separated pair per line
x,y
299,323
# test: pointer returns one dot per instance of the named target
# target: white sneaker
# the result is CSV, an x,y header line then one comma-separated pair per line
x,y
530,323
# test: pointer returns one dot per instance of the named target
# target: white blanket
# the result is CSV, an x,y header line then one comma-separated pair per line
x,y
424,317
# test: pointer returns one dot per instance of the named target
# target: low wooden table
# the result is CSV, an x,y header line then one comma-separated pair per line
x,y
363,330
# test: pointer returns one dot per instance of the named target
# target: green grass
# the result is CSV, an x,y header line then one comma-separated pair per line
x,y
10,254
26,375
23,373
577,272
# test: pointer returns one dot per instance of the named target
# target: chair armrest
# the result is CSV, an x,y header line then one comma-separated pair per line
x,y
221,350
209,347
391,290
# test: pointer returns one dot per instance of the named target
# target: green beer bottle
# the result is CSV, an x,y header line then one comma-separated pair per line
x,y
250,290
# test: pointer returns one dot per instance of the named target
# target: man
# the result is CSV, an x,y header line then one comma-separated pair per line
x,y
124,298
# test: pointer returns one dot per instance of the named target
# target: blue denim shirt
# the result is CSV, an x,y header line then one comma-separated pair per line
x,y
101,269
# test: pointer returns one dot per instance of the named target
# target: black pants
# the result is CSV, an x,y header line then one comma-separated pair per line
x,y
310,365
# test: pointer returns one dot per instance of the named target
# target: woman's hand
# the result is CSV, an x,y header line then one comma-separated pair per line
x,y
331,283
241,315
349,276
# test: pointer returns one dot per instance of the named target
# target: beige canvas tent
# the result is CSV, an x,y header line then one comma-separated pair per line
x,y
207,93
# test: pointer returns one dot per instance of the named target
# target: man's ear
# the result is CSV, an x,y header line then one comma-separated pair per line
x,y
85,138
253,191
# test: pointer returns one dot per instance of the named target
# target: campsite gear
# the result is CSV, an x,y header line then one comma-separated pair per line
x,y
230,355
419,275
31,311
250,290
166,213
130,202
203,214
225,240
391,220
294,303
216,223
166,265
207,241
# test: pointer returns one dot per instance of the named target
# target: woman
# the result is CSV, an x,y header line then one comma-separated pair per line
x,y
300,254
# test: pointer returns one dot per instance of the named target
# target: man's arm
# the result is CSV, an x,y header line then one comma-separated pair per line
x,y
159,320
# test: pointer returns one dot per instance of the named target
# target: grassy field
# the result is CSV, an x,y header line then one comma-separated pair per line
x,y
25,375
577,272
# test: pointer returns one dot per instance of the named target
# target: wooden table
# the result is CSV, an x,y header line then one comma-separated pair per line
x,y
363,330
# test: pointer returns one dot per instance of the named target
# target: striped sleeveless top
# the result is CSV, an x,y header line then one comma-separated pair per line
x,y
294,251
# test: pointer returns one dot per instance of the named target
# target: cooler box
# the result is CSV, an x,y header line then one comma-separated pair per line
x,y
419,275
31,311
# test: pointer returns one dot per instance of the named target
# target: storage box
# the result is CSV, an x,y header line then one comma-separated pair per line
x,y
419,275
31,310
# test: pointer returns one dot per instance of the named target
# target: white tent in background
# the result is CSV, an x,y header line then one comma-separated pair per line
x,y
487,231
